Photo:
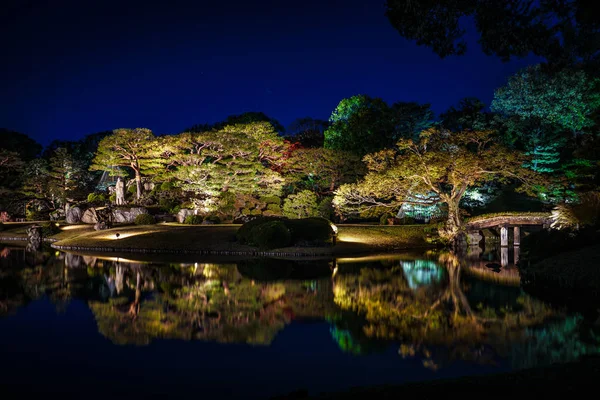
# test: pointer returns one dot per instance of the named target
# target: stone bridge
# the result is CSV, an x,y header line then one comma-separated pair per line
x,y
506,221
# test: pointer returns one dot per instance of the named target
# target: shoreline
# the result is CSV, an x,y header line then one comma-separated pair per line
x,y
220,240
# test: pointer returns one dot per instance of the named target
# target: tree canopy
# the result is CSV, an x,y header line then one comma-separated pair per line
x,y
440,167
362,124
133,148
564,32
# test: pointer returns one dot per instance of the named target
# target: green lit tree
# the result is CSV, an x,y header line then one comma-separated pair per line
x,y
134,148
566,98
362,124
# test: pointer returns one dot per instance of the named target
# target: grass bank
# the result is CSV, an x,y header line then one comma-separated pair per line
x,y
220,240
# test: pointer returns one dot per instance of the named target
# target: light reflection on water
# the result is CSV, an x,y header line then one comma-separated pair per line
x,y
439,311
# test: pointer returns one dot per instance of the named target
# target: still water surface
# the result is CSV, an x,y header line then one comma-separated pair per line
x,y
260,328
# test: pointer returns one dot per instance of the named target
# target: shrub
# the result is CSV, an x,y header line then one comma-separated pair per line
x,y
244,234
271,200
213,218
96,198
35,215
49,229
325,208
193,220
383,220
167,205
271,235
113,198
314,231
303,232
276,208
132,189
144,219
301,205
166,186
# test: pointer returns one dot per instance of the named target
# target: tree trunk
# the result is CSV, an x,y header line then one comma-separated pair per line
x,y
138,183
453,223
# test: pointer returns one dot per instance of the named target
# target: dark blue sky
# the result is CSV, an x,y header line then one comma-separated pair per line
x,y
76,67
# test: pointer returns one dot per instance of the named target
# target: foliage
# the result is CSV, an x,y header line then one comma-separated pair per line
x,y
564,98
468,115
244,234
584,212
11,167
67,176
50,229
96,198
243,159
322,170
312,231
193,220
308,132
213,218
134,148
560,31
361,124
16,142
271,235
301,205
438,168
304,232
144,219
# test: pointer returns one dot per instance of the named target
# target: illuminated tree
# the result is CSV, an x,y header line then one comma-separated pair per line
x,y
441,166
242,159
322,170
361,124
301,205
133,148
565,98
66,175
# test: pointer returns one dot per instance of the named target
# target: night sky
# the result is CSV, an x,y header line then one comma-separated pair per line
x,y
71,68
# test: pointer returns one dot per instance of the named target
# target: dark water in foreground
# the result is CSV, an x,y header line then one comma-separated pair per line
x,y
260,328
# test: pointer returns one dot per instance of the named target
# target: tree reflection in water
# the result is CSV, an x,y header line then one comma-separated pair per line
x,y
424,307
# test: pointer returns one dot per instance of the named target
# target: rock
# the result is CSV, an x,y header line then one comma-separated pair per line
x,y
165,218
34,238
100,226
183,214
127,215
89,216
73,260
73,215
57,214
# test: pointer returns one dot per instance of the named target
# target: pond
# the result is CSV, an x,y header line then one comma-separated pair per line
x,y
257,328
